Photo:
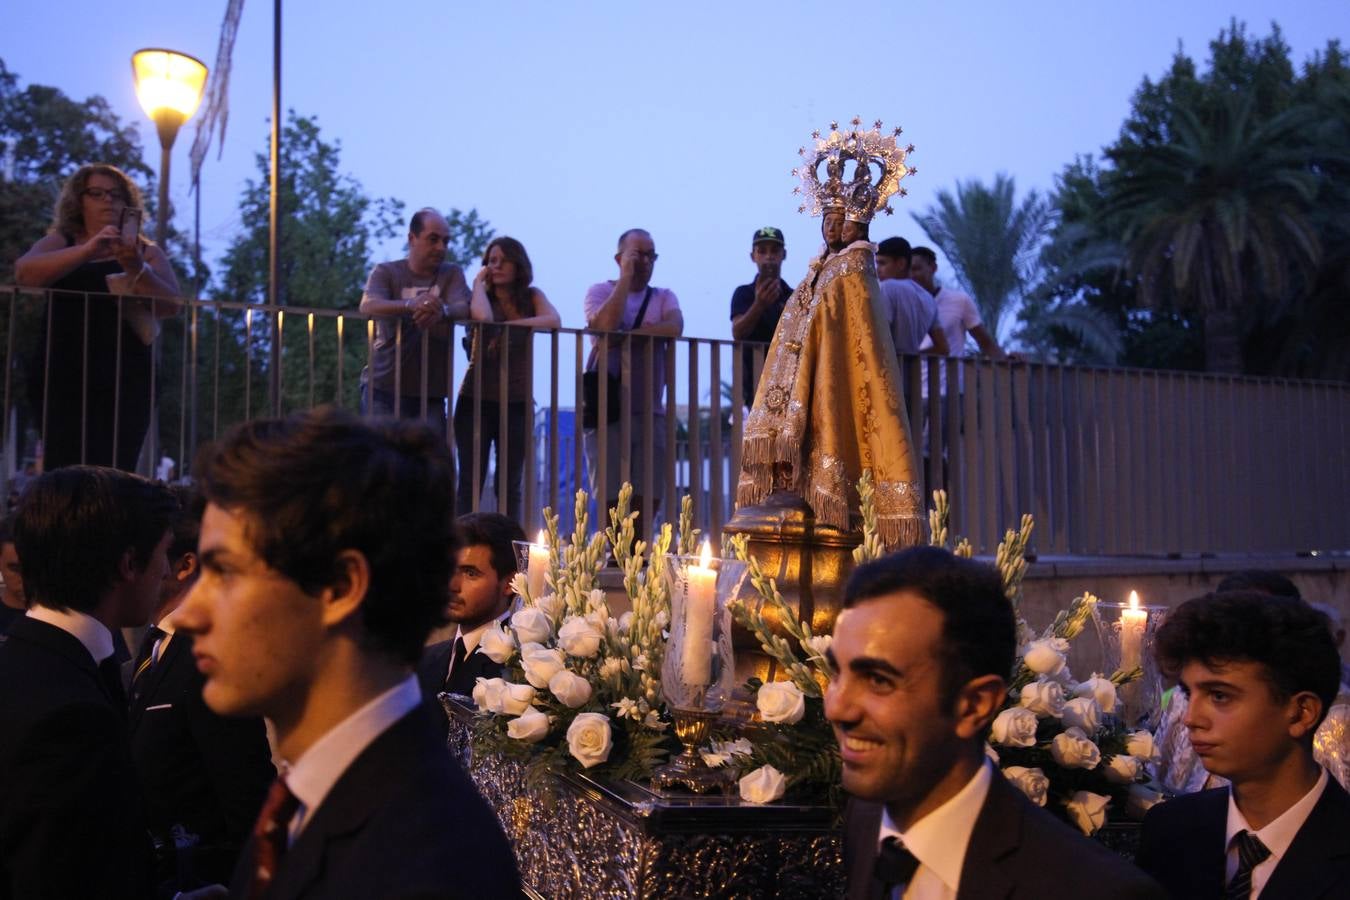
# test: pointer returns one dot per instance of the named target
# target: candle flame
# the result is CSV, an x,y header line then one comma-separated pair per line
x,y
542,540
1134,599
706,556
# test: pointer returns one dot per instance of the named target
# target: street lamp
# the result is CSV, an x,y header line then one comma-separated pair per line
x,y
169,86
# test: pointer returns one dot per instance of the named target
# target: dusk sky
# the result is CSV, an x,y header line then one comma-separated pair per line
x,y
565,124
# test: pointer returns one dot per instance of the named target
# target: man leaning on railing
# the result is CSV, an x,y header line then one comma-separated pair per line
x,y
412,302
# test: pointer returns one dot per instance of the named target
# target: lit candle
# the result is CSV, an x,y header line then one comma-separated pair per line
x,y
1133,622
537,569
699,609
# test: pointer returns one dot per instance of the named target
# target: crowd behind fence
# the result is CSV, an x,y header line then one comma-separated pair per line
x,y
1110,461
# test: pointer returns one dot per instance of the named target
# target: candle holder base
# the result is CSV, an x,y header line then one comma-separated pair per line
x,y
688,770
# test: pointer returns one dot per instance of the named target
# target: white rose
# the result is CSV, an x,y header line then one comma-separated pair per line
x,y
781,701
1103,690
1122,769
1031,782
515,699
764,785
497,644
571,690
540,663
532,625
1073,750
1088,810
579,637
1044,698
530,726
551,604
1084,713
487,693
588,738
1140,744
1015,727
1044,657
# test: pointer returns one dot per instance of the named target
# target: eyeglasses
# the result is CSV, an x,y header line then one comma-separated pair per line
x,y
649,257
114,196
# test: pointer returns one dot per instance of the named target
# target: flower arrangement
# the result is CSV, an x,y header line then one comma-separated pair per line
x,y
1057,739
581,689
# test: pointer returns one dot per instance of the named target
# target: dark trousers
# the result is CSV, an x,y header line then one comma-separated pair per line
x,y
471,477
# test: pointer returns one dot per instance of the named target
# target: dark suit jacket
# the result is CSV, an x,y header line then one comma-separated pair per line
x,y
403,821
70,811
204,776
1017,851
431,676
1182,846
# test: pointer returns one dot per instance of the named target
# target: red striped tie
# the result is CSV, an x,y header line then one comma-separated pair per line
x,y
270,835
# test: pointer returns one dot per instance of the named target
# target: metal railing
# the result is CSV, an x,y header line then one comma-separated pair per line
x,y
1110,461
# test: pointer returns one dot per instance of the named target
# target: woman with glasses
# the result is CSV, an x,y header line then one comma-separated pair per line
x,y
501,293
89,379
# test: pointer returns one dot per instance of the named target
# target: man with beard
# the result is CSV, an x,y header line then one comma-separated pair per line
x,y
828,405
413,301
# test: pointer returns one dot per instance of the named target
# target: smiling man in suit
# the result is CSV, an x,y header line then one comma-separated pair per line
x,y
480,596
92,543
204,775
922,653
1260,673
325,552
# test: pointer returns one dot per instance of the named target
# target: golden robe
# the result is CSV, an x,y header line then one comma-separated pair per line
x,y
829,406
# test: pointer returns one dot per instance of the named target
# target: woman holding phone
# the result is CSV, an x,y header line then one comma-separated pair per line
x,y
502,292
89,377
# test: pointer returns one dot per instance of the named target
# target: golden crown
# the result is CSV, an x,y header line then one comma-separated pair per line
x,y
879,164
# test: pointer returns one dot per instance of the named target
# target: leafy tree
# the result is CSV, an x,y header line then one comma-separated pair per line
x,y
1213,232
991,241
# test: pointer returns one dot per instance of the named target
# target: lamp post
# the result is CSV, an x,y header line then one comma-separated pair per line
x,y
169,86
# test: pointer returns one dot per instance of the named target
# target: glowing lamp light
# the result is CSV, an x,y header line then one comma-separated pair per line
x,y
168,84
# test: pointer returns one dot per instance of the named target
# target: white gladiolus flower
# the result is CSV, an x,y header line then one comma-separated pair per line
x,y
612,666
551,604
820,643
627,709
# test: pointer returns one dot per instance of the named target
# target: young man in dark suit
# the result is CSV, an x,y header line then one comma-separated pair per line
x,y
204,776
922,653
1260,673
325,551
93,545
480,597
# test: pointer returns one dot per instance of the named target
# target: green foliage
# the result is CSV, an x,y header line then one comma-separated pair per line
x,y
991,240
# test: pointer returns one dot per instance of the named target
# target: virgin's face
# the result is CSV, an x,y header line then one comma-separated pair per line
x,y
500,269
101,202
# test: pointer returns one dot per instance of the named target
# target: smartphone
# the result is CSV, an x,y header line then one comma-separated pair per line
x,y
131,225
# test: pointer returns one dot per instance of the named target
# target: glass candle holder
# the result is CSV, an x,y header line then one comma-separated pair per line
x,y
699,670
534,558
1126,632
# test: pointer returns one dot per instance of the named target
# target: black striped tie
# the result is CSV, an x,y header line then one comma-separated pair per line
x,y
1251,853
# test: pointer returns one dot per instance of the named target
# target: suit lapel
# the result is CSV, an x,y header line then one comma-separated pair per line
x,y
1317,863
996,836
862,827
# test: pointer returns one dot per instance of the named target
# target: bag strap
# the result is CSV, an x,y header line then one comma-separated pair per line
x,y
642,310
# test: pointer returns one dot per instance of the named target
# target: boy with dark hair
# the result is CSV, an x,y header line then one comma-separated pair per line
x,y
1260,672
480,597
325,553
93,543
922,653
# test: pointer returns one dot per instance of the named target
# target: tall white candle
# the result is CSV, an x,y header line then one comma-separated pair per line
x,y
1133,623
699,609
537,569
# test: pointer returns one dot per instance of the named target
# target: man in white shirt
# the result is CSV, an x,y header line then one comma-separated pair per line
x,y
480,597
957,313
911,312
92,542
325,555
1260,673
921,655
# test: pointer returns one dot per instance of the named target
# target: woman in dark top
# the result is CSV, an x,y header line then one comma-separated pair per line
x,y
89,374
501,293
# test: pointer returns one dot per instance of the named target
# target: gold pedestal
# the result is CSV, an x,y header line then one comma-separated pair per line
x,y
688,770
810,563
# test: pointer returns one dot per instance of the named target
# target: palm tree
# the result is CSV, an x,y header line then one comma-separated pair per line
x,y
991,241
1218,220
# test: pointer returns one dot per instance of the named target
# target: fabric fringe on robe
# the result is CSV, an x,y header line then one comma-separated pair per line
x,y
829,406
